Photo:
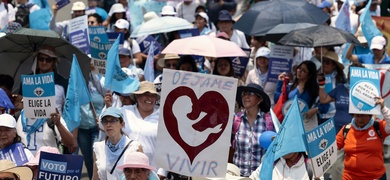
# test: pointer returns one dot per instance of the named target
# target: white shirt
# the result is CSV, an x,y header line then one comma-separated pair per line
x,y
187,12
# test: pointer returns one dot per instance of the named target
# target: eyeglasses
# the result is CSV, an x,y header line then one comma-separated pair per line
x,y
48,60
91,22
326,61
245,93
171,65
111,121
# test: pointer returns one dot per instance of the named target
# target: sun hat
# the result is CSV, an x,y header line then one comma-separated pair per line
x,y
116,8
232,172
203,15
112,111
35,160
48,50
149,16
136,160
7,120
23,172
78,6
224,15
144,87
263,52
122,24
168,56
265,104
168,11
124,51
378,42
333,57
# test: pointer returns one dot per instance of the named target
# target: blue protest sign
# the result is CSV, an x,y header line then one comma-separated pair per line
x,y
78,33
113,35
97,34
59,166
240,63
365,87
145,42
38,95
303,107
188,33
62,3
280,61
99,51
15,153
322,147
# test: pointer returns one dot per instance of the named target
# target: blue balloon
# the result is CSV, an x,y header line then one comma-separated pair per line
x,y
266,138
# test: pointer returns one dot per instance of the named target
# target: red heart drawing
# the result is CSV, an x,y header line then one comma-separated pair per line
x,y
384,75
217,113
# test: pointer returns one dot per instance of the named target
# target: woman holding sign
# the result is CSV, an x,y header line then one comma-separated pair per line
x,y
362,141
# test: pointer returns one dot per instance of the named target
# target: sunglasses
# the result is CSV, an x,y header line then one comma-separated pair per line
x,y
326,61
91,22
171,65
111,121
48,60
247,94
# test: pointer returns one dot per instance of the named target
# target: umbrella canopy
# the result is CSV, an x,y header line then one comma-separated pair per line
x,y
17,51
161,25
276,33
317,36
205,46
265,15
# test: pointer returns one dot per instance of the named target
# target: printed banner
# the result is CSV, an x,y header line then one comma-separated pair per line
x,y
97,34
99,51
15,153
59,166
365,86
78,33
195,122
280,61
240,63
145,42
39,99
322,147
62,3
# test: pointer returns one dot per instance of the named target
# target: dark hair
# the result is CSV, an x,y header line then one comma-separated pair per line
x,y
98,18
200,7
187,59
311,85
6,81
231,70
113,18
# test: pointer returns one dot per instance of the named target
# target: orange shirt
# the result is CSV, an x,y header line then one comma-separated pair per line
x,y
363,153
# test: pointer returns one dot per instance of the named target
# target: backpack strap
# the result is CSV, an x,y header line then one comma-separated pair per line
x,y
346,130
309,170
236,125
377,129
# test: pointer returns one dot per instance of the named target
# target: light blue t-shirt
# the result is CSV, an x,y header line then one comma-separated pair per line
x,y
369,59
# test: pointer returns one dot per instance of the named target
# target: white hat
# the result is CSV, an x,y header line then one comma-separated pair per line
x,y
203,15
263,52
149,16
7,120
116,8
378,42
122,24
233,172
78,6
168,11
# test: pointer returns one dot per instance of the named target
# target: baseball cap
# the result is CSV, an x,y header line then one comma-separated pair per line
x,y
378,42
122,24
78,6
7,120
112,111
263,52
203,15
124,51
325,4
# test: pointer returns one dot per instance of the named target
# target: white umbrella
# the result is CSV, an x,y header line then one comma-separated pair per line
x,y
161,25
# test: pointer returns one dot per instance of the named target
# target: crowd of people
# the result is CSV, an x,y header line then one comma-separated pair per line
x,y
117,133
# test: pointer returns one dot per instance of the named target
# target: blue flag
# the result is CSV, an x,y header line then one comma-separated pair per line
x,y
343,21
289,139
40,19
76,96
115,78
149,65
368,27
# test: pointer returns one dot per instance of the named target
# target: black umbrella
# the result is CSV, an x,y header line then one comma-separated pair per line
x,y
318,36
276,33
265,15
18,49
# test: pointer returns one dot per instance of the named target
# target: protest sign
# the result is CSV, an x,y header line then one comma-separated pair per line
x,y
365,86
188,33
280,61
240,63
195,123
62,3
15,153
38,95
99,51
59,166
97,34
113,35
78,33
144,43
322,147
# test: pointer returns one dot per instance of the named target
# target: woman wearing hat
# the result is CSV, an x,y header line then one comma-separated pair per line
x,y
333,71
225,24
8,170
137,166
259,74
248,126
110,153
116,12
201,22
141,119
